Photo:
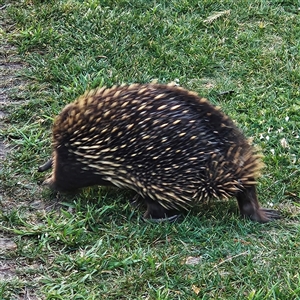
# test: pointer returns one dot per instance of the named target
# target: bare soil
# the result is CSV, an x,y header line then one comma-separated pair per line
x,y
10,83
10,65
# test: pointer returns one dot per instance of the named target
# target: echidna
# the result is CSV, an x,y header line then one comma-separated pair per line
x,y
173,148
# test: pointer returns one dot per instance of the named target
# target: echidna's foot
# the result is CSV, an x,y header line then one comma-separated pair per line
x,y
50,182
267,215
249,207
263,215
171,219
157,213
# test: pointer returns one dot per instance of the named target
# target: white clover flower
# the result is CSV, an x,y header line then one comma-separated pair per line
x,y
284,143
293,158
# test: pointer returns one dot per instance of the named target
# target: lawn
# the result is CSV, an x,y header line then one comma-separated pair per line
x,y
243,55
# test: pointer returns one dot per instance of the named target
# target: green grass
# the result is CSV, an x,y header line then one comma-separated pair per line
x,y
93,245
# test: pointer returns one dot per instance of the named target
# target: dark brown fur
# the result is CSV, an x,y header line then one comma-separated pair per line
x,y
172,147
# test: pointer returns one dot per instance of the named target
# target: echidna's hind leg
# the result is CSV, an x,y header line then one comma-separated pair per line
x,y
156,212
249,207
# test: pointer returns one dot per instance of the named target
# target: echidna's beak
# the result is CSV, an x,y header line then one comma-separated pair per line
x,y
46,166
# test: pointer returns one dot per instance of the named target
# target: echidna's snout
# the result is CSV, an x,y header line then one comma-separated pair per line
x,y
49,182
46,166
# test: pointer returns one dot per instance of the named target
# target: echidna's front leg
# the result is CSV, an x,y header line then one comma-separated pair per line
x,y
249,207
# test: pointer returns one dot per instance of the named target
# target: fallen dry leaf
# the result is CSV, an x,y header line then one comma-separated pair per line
x,y
216,16
192,260
195,289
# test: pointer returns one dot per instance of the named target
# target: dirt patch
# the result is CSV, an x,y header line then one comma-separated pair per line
x,y
7,270
10,84
10,66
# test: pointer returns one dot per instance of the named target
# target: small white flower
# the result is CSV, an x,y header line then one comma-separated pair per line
x,y
267,137
272,151
284,143
287,118
293,158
